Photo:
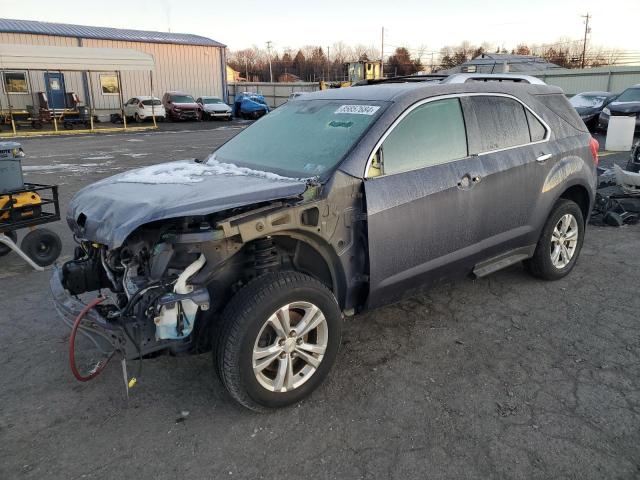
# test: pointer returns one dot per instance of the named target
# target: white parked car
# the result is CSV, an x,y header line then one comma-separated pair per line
x,y
213,107
142,108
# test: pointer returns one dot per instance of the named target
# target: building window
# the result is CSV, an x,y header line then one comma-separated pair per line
x,y
109,84
16,82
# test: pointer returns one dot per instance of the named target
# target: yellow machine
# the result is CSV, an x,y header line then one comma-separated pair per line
x,y
26,205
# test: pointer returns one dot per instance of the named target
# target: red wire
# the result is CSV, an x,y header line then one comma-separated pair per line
x,y
72,349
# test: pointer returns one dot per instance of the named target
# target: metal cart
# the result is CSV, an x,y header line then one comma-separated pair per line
x,y
30,207
26,205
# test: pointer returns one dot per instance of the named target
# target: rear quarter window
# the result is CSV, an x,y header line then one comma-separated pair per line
x,y
560,106
536,128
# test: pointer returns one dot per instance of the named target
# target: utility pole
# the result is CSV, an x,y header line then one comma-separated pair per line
x,y
586,31
382,55
328,63
431,63
269,55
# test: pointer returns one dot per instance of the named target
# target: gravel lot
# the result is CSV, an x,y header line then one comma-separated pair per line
x,y
503,377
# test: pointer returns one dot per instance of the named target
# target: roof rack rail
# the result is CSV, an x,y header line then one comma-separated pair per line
x,y
492,77
430,77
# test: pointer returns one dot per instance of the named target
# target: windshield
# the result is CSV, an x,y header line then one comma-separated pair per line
x,y
629,95
182,99
208,101
150,102
587,101
301,139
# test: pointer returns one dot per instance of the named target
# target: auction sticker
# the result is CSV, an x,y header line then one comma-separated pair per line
x,y
358,109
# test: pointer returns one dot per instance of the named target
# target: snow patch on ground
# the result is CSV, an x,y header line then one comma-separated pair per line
x,y
188,171
59,166
100,157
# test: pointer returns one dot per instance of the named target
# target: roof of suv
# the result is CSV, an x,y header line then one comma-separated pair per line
x,y
417,90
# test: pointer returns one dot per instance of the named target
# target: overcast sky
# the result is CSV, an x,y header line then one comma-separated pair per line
x,y
413,23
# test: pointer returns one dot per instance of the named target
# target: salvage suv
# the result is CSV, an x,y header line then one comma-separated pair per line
x,y
337,202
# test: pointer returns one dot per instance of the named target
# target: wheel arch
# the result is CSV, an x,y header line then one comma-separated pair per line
x,y
312,255
579,194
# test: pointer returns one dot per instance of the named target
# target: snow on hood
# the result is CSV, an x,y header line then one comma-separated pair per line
x,y
114,207
189,171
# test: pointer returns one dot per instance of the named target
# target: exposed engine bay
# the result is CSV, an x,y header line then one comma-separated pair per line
x,y
161,281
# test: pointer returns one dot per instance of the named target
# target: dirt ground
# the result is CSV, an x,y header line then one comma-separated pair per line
x,y
503,377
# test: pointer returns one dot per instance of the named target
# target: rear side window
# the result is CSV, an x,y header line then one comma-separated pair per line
x,y
502,122
558,104
432,134
536,129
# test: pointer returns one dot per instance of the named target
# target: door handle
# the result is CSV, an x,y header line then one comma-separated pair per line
x,y
468,181
544,157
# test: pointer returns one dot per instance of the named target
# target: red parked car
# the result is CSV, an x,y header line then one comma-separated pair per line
x,y
180,106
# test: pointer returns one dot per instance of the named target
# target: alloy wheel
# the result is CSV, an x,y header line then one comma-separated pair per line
x,y
290,346
564,241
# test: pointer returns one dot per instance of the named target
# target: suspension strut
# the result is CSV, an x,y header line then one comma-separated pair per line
x,y
264,256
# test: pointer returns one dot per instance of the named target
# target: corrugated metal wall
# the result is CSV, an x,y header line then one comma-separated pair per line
x,y
193,69
608,79
275,94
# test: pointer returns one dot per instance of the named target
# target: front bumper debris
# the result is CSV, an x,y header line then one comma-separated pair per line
x,y
105,335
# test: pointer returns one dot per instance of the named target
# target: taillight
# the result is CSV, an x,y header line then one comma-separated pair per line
x,y
594,146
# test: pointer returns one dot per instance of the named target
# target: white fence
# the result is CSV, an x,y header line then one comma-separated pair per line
x,y
275,94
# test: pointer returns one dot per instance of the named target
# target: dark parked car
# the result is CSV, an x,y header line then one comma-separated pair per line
x,y
626,104
590,104
338,202
180,106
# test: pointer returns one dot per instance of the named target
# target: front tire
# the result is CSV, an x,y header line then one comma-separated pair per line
x,y
560,242
279,337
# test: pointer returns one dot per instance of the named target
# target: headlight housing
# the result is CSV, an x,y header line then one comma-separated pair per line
x,y
606,111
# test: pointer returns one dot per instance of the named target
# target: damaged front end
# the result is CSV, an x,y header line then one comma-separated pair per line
x,y
154,283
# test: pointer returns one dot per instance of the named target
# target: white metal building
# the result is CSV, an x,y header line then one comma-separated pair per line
x,y
185,62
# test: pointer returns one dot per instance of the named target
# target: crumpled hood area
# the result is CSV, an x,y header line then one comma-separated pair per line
x,y
108,211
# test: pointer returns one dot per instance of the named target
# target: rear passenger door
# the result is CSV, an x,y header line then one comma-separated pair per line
x,y
512,144
423,217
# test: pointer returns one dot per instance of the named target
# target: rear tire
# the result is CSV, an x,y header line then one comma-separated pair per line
x,y
551,261
42,246
251,324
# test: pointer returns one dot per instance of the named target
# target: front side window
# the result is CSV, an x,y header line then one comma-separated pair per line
x,y
15,82
109,84
502,122
431,134
301,139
